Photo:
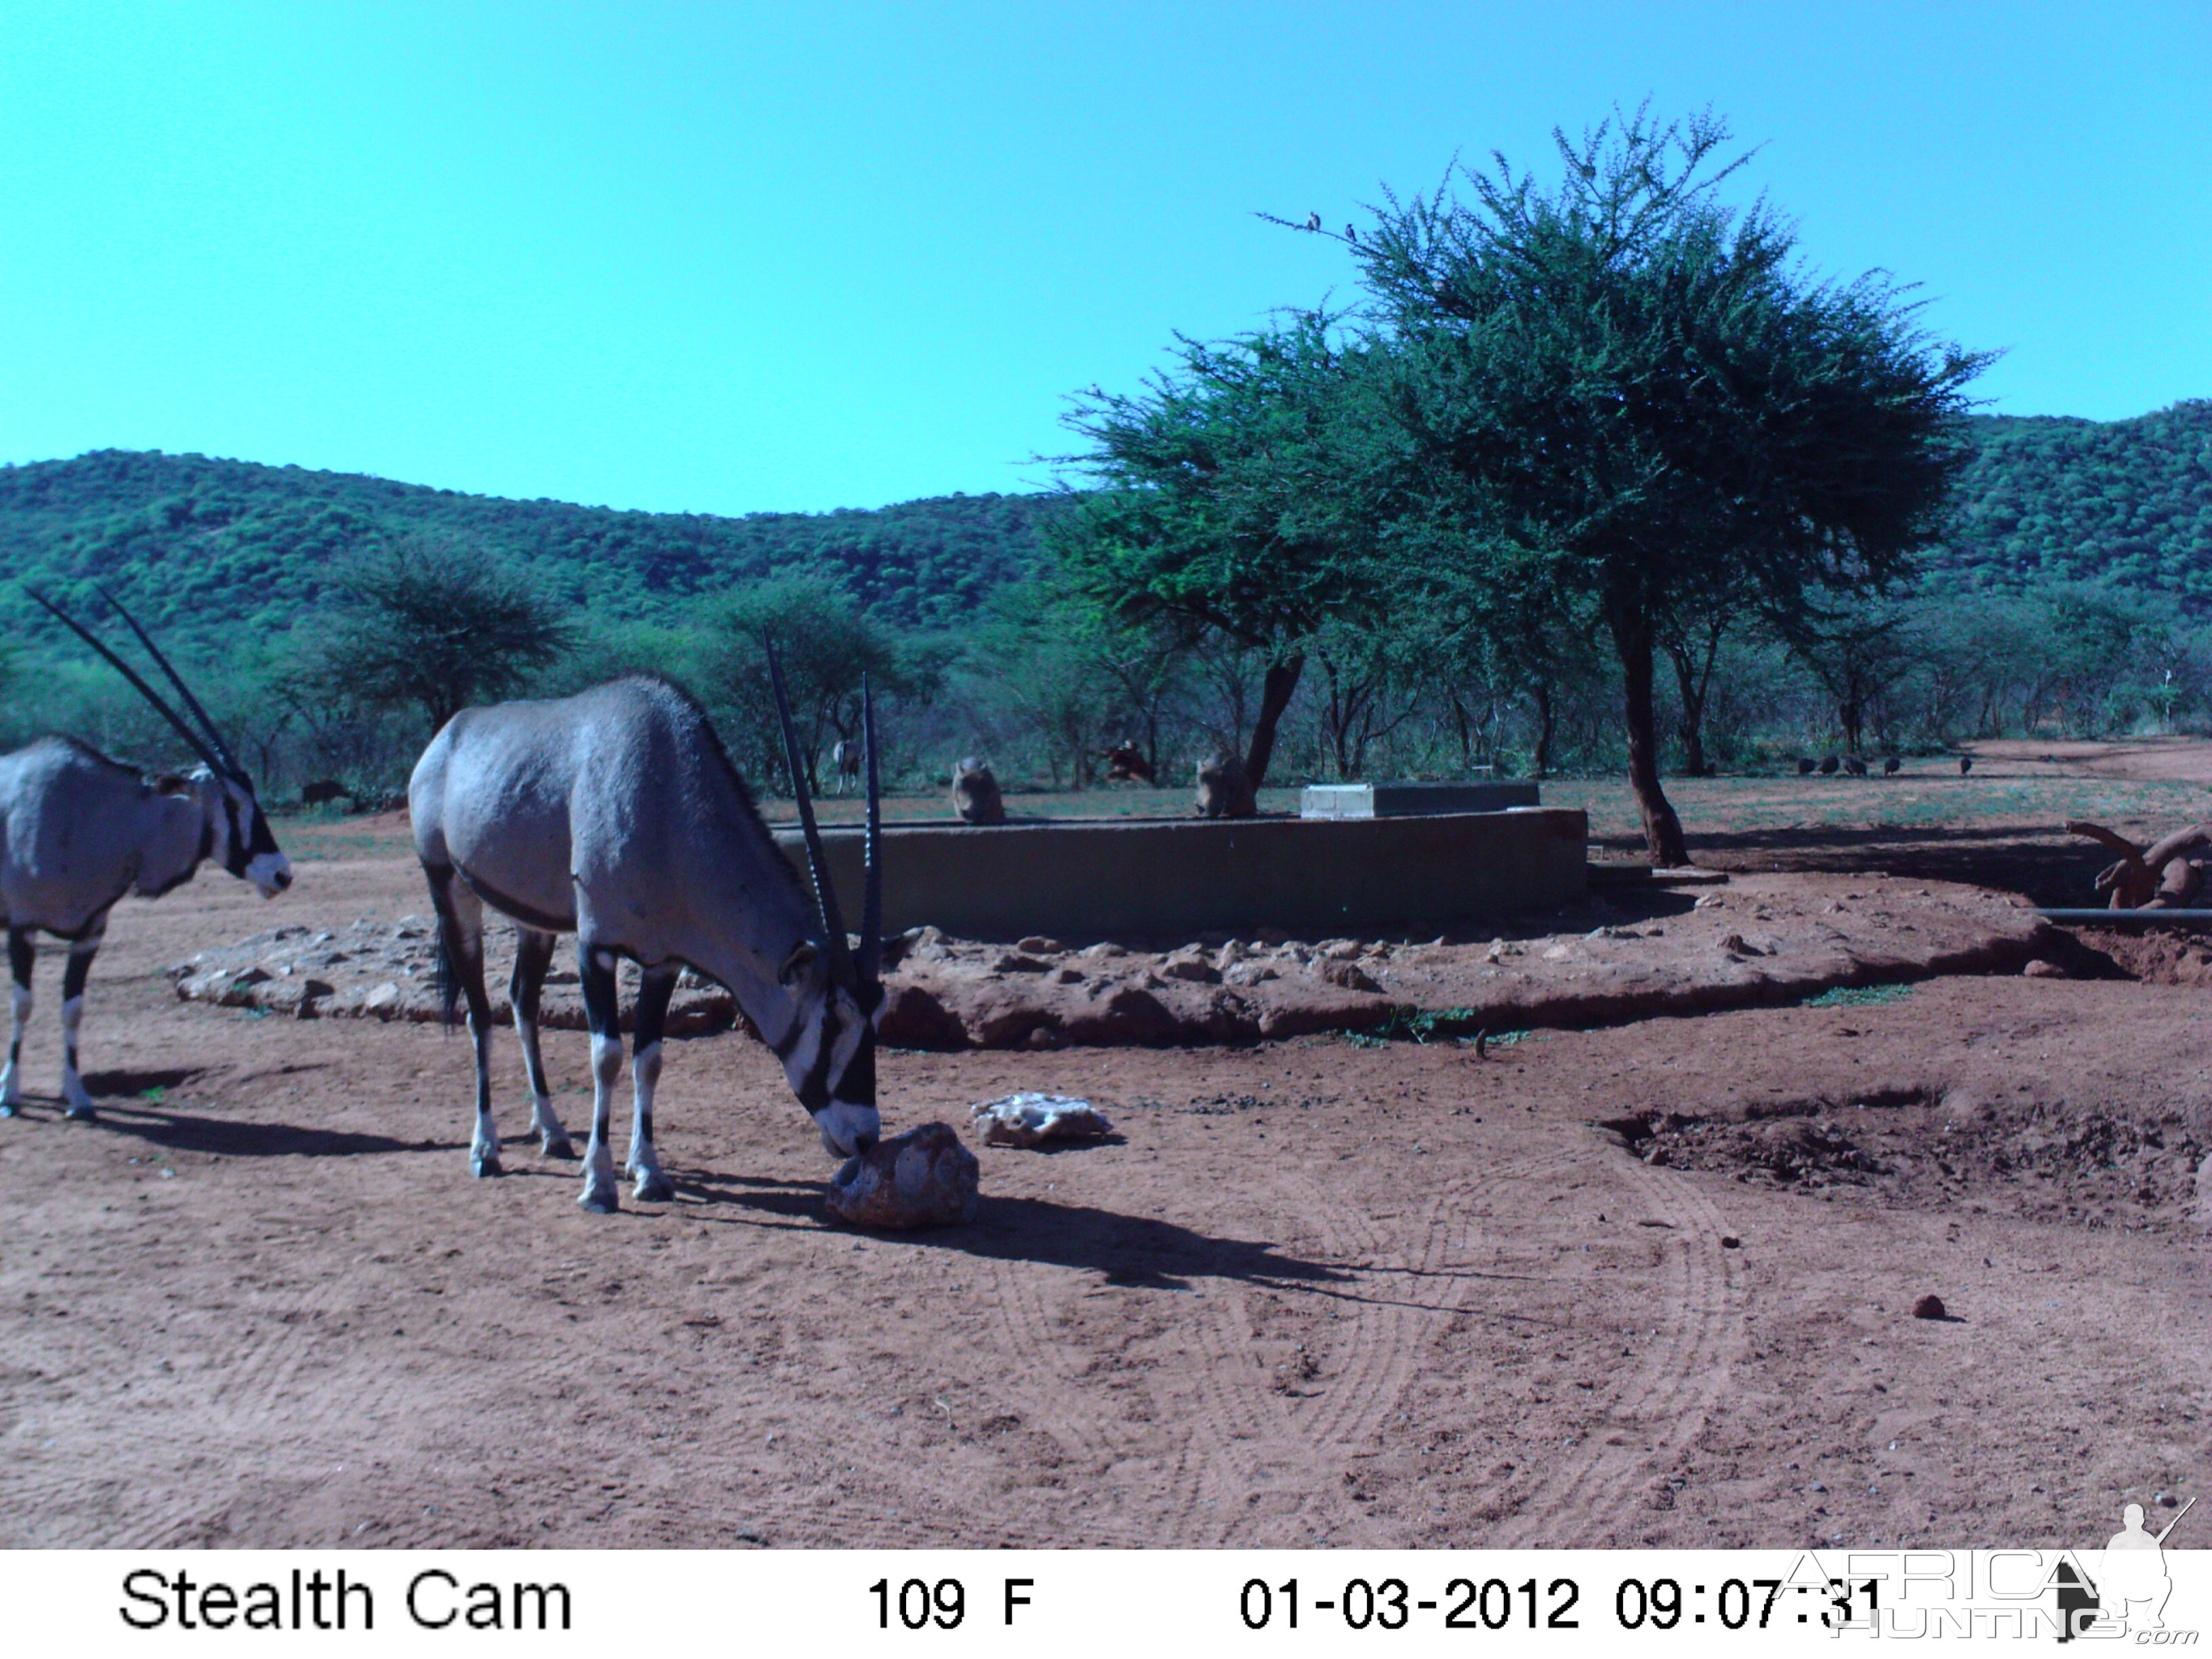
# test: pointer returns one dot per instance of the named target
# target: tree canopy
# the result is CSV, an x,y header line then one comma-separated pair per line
x,y
1627,382
1229,498
438,629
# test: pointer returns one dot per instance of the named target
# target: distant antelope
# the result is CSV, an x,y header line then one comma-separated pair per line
x,y
78,832
845,761
615,815
976,795
322,791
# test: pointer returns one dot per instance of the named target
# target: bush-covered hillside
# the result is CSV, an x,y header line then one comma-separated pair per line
x,y
198,546
2049,500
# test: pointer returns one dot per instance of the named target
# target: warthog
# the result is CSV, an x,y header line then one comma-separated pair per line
x,y
323,791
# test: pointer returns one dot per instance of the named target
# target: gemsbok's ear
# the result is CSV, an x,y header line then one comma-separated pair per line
x,y
799,963
168,783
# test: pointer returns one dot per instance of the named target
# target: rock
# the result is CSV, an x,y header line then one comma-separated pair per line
x,y
1014,963
1351,976
924,1178
1188,963
2037,968
1929,1306
383,1001
1730,1241
1031,1120
1037,946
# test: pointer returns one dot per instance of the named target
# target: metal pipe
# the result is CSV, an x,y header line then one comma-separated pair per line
x,y
2075,917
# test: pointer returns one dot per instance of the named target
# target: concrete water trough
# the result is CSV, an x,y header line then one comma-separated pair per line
x,y
1316,878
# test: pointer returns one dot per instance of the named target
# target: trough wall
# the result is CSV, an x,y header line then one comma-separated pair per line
x,y
1314,877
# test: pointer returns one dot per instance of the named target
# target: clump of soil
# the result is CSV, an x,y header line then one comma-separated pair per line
x,y
2093,1167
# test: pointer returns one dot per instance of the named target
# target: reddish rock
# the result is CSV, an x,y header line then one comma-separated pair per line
x,y
924,1178
1929,1306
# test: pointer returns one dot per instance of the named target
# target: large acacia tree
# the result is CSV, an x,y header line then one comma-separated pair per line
x,y
1231,498
1630,385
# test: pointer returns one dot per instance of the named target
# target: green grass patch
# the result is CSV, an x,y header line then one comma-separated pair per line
x,y
1857,996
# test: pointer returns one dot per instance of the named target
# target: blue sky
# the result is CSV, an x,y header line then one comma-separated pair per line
x,y
731,258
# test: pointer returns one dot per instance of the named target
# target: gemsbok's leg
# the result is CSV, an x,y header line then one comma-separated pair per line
x,y
654,987
83,949
603,1014
22,956
533,954
460,935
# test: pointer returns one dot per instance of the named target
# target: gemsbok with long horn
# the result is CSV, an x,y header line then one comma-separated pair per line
x,y
78,832
616,814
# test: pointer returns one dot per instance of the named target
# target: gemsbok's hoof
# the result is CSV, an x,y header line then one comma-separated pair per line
x,y
483,1169
559,1146
8,1109
82,1114
654,1188
597,1202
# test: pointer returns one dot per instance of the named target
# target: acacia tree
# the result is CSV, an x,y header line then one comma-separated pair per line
x,y
437,627
828,646
1229,501
1626,381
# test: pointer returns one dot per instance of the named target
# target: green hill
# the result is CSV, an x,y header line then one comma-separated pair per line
x,y
199,547
2049,500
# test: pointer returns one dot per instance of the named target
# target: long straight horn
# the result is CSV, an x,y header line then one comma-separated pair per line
x,y
214,731
871,905
200,745
825,893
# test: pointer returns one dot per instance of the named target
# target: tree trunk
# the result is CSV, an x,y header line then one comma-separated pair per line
x,y
1546,720
1275,690
1631,642
1694,680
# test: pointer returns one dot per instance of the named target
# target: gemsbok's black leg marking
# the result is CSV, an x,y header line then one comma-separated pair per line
x,y
534,955
653,990
78,968
22,957
603,1014
460,936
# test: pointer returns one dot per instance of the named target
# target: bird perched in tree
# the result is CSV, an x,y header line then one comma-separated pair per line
x,y
1350,234
1313,221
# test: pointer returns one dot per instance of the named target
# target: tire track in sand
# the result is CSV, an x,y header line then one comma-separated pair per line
x,y
1679,1374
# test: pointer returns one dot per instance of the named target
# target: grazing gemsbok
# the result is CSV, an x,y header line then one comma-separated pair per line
x,y
615,815
78,832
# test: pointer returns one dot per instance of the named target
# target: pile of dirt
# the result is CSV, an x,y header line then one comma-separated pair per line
x,y
1633,953
2102,1166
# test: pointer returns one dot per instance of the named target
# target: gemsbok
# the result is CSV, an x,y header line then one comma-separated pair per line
x,y
616,814
78,832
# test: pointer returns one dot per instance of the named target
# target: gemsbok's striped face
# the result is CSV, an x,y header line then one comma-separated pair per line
x,y
242,844
831,1061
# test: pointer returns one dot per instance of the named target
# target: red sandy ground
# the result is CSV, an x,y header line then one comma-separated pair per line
x,y
1644,1284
